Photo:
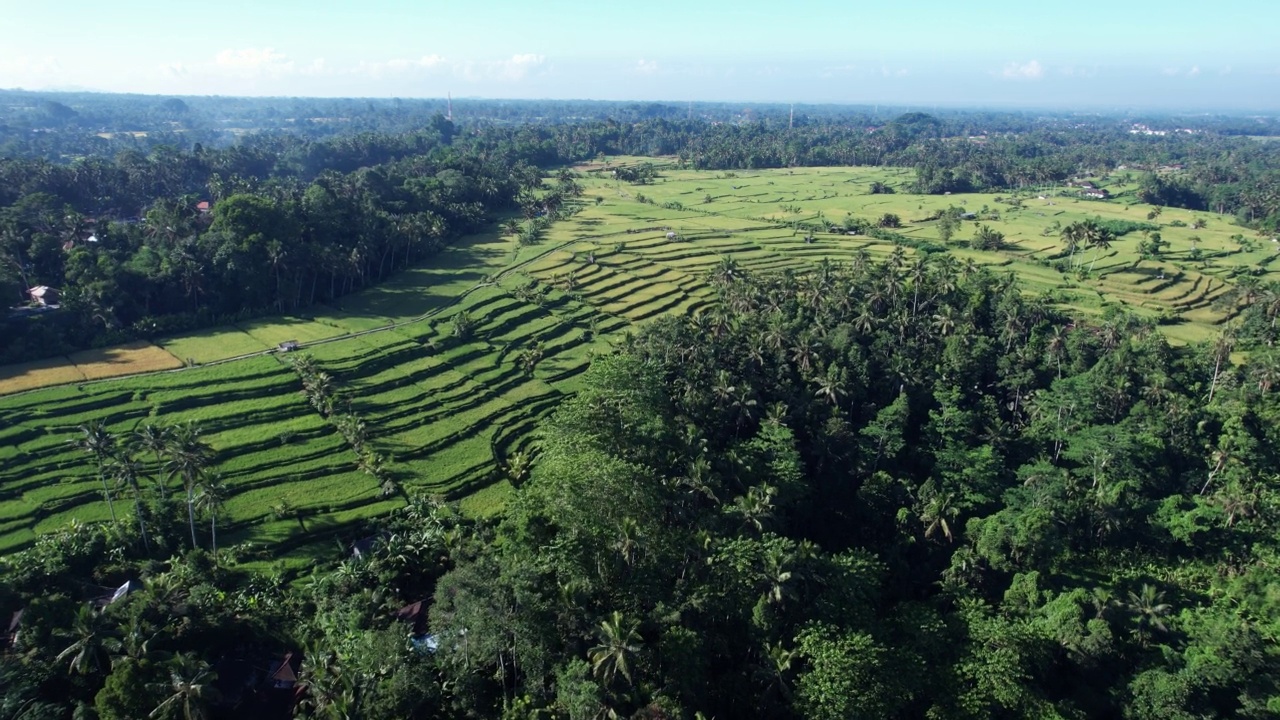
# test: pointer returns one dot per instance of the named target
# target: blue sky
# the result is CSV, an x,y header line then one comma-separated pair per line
x,y
1176,54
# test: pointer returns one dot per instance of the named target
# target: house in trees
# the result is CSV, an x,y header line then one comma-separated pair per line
x,y
203,207
1096,193
15,624
128,588
283,674
415,614
44,296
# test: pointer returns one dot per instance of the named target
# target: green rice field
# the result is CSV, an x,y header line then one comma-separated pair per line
x,y
443,409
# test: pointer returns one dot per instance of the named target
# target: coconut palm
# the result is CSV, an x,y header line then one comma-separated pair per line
x,y
1073,236
188,457
778,576
92,642
831,384
618,643
213,495
756,507
95,440
191,687
154,439
938,516
126,471
1149,610
1100,238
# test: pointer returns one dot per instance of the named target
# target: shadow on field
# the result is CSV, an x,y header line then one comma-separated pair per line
x,y
437,282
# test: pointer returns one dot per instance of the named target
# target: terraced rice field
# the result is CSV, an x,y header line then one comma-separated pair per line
x,y
443,410
130,359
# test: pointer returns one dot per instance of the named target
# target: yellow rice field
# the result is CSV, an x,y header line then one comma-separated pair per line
x,y
128,359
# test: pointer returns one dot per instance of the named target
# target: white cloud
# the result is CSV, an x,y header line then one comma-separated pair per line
x,y
27,71
519,66
1019,71
254,62
646,67
838,70
513,69
1171,71
426,63
889,72
1194,71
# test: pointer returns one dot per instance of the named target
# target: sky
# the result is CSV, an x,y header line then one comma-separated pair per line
x,y
1128,54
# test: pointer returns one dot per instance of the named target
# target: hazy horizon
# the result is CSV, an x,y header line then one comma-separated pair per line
x,y
1168,56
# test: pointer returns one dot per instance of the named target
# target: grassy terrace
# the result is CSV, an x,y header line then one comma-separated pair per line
x,y
440,408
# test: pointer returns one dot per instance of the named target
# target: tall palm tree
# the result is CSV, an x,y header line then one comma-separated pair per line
x,y
1073,236
213,495
95,440
618,643
188,457
191,684
154,438
126,471
1100,238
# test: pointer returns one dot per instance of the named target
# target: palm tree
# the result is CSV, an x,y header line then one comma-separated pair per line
x,y
154,439
188,457
831,384
1222,348
1100,238
628,542
938,515
619,641
1057,347
95,440
91,642
756,507
1149,610
726,271
191,683
778,576
126,470
1073,236
944,321
213,495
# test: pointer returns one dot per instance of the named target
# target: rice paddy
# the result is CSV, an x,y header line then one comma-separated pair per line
x,y
446,408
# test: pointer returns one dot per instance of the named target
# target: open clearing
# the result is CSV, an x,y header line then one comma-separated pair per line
x,y
442,408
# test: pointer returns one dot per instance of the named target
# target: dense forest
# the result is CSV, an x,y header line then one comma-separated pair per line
x,y
870,490
149,236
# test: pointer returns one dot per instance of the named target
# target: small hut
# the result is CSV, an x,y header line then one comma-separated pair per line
x,y
288,346
44,296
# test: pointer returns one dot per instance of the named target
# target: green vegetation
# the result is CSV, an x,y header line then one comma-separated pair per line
x,y
882,489
976,424
445,407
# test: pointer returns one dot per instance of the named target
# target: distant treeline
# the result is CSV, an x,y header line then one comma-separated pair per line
x,y
144,245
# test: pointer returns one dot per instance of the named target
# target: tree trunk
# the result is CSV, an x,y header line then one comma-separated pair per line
x,y
142,525
107,494
191,517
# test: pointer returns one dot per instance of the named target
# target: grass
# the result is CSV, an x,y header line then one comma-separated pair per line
x,y
444,410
